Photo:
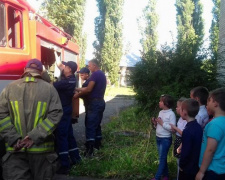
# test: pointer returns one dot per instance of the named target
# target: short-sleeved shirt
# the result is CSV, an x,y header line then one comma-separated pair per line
x,y
191,145
215,129
98,90
65,88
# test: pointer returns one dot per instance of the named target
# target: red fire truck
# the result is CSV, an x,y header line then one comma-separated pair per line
x,y
25,35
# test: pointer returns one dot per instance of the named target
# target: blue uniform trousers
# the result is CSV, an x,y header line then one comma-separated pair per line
x,y
65,140
93,120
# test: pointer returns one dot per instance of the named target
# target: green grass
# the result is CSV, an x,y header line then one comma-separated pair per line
x,y
129,150
122,91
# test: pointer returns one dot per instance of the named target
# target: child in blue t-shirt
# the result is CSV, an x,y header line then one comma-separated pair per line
x,y
212,156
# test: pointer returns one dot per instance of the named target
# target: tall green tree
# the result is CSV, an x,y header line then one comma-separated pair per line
x,y
198,25
149,35
214,30
68,14
190,27
108,31
83,49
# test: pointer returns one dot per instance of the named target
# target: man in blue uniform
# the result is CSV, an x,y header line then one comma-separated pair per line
x,y
96,106
66,143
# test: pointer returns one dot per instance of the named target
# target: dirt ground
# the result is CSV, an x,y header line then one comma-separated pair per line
x,y
113,107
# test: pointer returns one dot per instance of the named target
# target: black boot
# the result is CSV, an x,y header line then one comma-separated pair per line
x,y
89,149
98,144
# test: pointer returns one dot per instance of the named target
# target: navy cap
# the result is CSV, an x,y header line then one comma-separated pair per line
x,y
72,65
84,70
34,64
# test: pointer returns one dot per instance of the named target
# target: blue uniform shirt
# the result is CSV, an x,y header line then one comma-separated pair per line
x,y
98,90
65,88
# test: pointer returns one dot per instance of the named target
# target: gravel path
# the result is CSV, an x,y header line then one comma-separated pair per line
x,y
113,107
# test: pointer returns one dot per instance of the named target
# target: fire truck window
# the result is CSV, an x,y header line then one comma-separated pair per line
x,y
15,28
2,25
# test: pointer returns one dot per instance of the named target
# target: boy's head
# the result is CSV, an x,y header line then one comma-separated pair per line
x,y
167,101
84,73
189,108
216,100
179,102
200,94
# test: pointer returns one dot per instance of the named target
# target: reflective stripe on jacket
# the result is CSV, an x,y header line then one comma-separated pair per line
x,y
30,107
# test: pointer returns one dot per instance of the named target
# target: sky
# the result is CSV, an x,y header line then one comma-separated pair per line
x,y
132,10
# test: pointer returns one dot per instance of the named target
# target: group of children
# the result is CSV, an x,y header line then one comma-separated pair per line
x,y
199,143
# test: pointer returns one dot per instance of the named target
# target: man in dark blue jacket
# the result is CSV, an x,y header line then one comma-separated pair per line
x,y
66,143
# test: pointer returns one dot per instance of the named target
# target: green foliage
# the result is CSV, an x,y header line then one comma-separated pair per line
x,y
186,34
190,27
108,30
129,150
198,24
176,70
68,14
150,35
170,74
214,30
83,49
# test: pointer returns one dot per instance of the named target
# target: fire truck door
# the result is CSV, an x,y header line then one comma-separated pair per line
x,y
48,58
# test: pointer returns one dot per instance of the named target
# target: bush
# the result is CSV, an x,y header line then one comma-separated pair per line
x,y
170,74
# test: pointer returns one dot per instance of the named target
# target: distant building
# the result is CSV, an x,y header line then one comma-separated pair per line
x,y
221,59
127,64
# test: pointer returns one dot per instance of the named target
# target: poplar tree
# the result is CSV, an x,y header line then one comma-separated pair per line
x,y
198,25
108,31
149,35
190,27
214,30
69,15
83,49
